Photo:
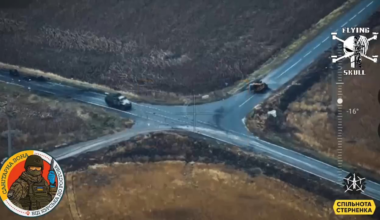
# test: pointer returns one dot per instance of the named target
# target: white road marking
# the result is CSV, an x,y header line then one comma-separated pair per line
x,y
361,11
289,68
191,120
44,91
163,116
293,165
103,106
204,122
369,4
13,84
312,50
145,106
114,138
309,158
99,99
275,152
242,103
307,54
246,101
328,175
352,18
345,24
316,46
281,73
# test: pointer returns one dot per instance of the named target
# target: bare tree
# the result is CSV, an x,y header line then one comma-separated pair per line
x,y
8,112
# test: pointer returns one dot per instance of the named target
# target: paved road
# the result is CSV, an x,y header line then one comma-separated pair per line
x,y
223,119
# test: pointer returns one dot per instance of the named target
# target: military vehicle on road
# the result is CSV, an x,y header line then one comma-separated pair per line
x,y
118,101
36,78
14,73
258,87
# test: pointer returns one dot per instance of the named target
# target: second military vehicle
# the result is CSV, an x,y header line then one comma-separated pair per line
x,y
118,101
258,87
36,78
14,73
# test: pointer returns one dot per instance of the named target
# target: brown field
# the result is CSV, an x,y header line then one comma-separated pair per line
x,y
45,123
174,190
181,47
203,180
309,125
164,191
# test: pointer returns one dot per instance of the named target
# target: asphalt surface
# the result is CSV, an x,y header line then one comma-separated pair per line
x,y
222,120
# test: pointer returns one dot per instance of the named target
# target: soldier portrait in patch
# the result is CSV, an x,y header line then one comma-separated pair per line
x,y
31,191
32,183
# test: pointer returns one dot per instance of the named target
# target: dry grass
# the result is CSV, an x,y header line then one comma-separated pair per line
x,y
318,131
311,111
311,126
174,190
44,123
286,52
208,44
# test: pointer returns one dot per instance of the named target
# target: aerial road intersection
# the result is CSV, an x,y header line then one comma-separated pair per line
x,y
222,120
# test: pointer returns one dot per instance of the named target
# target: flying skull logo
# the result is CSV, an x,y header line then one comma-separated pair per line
x,y
355,47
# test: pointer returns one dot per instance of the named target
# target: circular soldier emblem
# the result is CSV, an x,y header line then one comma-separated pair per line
x,y
32,183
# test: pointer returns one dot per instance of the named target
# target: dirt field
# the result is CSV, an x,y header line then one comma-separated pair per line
x,y
43,123
172,191
309,121
172,46
118,183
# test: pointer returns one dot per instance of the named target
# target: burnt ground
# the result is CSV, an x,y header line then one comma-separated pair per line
x,y
182,47
308,123
175,190
189,147
45,123
202,179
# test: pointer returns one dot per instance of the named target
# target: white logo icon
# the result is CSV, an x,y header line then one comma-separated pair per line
x,y
355,47
354,183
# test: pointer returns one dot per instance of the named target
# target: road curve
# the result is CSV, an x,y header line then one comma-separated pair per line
x,y
222,120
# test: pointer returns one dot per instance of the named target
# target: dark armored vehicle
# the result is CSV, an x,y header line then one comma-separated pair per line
x,y
118,101
36,78
41,79
14,73
258,87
